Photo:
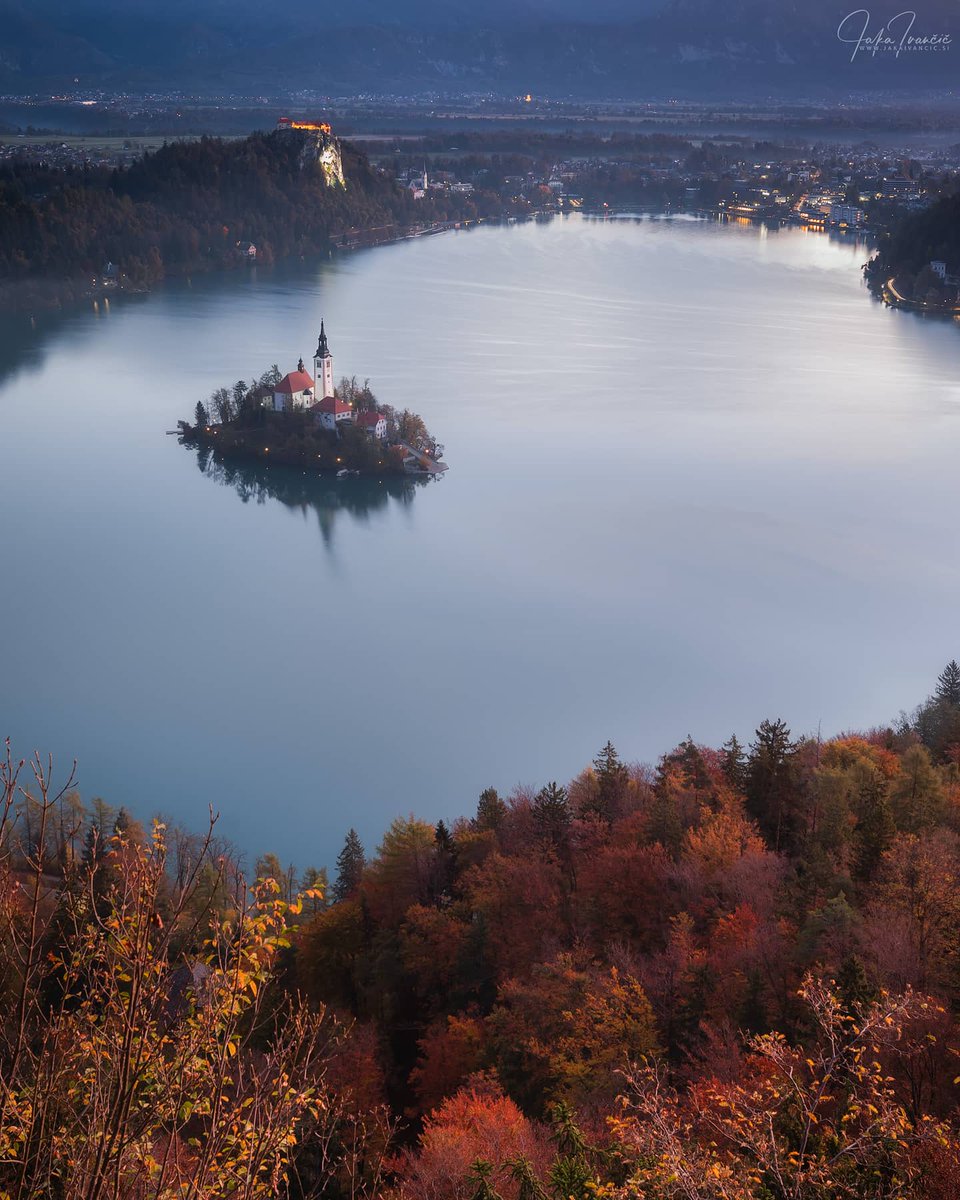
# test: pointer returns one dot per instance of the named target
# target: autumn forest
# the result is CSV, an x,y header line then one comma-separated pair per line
x,y
733,974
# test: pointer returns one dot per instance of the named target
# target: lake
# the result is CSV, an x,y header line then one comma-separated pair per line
x,y
698,477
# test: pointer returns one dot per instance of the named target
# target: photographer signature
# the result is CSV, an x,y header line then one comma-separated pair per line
x,y
895,37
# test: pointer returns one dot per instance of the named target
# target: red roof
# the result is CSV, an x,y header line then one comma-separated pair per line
x,y
296,381
331,404
371,419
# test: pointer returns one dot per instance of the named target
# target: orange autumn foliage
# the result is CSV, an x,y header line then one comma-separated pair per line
x,y
450,1051
845,751
479,1122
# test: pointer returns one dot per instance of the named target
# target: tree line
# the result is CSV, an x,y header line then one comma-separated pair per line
x,y
731,974
189,206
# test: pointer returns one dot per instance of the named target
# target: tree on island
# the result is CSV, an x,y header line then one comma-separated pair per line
x,y
201,415
221,402
412,430
359,395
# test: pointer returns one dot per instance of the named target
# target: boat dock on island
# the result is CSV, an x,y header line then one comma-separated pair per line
x,y
419,462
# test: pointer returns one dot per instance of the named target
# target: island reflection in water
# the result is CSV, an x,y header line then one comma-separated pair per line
x,y
325,495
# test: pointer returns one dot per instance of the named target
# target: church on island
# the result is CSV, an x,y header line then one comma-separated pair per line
x,y
316,393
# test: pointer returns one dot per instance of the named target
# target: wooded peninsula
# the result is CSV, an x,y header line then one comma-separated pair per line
x,y
190,207
732,974
908,253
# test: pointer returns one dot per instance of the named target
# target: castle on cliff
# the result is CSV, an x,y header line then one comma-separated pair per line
x,y
320,148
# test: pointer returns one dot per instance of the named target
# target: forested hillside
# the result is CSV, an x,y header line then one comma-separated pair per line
x,y
906,252
734,974
188,207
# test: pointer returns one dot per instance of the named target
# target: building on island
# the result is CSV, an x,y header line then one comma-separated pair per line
x,y
375,423
323,366
317,394
295,390
331,411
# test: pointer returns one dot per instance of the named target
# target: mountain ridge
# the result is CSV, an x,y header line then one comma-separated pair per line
x,y
659,47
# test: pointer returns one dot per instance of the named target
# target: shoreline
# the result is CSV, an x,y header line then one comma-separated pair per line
x,y
887,291
64,295
393,466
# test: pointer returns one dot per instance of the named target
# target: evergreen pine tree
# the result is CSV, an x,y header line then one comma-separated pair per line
x,y
441,835
490,810
551,814
875,827
481,1173
529,1186
571,1170
350,863
734,763
770,782
612,779
201,417
445,864
948,684
853,983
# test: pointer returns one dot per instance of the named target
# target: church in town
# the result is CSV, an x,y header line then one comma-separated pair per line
x,y
316,393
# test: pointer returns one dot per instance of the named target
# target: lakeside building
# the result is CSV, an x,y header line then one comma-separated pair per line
x,y
939,268
847,214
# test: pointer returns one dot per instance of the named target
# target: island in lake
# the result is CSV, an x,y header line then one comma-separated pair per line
x,y
303,419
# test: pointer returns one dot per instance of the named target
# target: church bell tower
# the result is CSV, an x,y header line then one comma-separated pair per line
x,y
323,368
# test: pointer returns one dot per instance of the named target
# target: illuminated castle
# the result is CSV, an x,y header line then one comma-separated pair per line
x,y
320,150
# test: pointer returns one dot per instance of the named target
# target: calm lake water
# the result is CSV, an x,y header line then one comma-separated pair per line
x,y
697,478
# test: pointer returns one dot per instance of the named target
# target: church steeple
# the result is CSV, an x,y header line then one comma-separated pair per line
x,y
323,367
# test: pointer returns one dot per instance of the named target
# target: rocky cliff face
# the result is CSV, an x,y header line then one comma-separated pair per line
x,y
321,151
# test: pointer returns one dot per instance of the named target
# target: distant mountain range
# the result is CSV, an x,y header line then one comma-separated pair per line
x,y
600,50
